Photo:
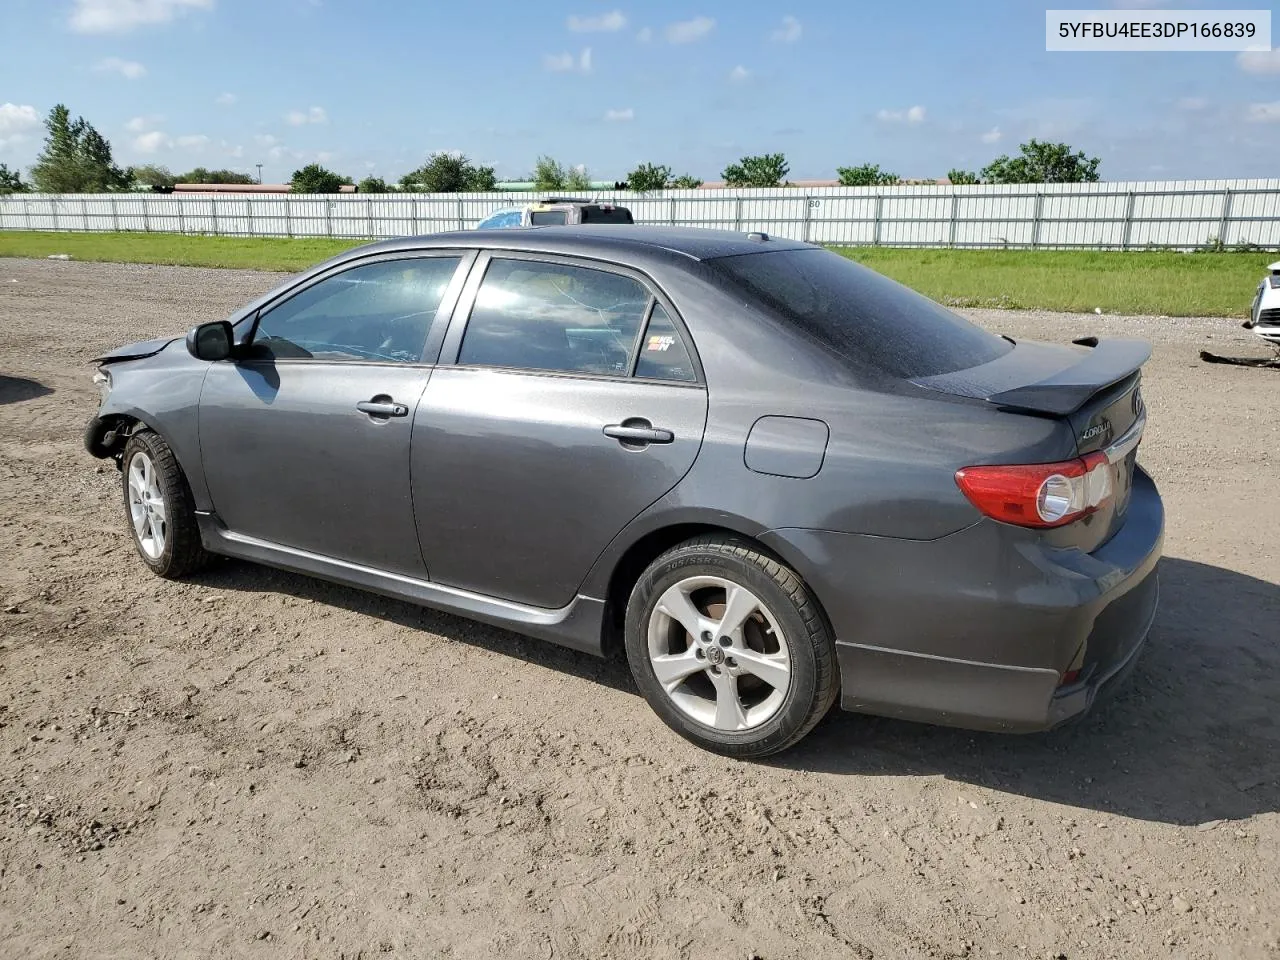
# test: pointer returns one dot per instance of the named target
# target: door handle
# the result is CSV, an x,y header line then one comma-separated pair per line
x,y
382,408
638,432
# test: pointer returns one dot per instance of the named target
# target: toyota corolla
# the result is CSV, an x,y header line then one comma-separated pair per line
x,y
770,478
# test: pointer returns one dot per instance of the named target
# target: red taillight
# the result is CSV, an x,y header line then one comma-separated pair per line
x,y
1038,494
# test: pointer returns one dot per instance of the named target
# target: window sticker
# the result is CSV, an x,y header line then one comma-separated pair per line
x,y
659,344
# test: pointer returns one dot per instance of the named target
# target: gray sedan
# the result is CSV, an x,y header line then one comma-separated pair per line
x,y
769,477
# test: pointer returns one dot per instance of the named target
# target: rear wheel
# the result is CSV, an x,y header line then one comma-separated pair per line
x,y
730,648
159,509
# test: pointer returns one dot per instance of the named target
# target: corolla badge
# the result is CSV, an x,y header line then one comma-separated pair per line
x,y
1096,430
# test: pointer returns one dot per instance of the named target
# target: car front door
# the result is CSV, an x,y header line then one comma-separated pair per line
x,y
305,436
574,403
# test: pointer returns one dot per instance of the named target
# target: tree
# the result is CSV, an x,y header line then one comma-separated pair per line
x,y
577,178
314,178
768,170
76,158
548,174
649,176
962,177
11,181
449,173
152,175
372,185
867,175
201,175
685,182
1043,162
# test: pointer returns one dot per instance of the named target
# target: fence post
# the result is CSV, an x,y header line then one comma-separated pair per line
x,y
248,216
182,218
213,206
955,215
461,221
1035,224
146,216
288,217
84,213
115,215
737,215
368,208
875,236
1227,196
671,212
1128,222
26,211
328,217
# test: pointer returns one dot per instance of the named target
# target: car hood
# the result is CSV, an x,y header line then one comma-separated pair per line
x,y
136,351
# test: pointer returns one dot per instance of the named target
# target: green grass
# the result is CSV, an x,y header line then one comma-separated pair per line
x,y
251,253
1172,284
1164,284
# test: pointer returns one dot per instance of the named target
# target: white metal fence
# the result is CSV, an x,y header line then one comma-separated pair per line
x,y
1125,216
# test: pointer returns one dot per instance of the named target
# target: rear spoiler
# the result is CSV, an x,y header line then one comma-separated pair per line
x,y
1046,378
1066,391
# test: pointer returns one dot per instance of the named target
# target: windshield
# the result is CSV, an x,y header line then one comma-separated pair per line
x,y
861,315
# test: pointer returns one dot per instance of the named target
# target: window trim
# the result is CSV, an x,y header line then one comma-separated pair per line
x,y
461,319
436,328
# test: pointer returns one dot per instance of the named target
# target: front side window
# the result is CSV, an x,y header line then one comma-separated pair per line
x,y
544,218
550,316
379,311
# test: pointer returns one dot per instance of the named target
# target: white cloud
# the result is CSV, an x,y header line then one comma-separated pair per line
x,y
265,140
129,69
739,74
610,22
626,113
297,118
992,136
143,124
789,32
645,35
325,156
1259,61
152,142
192,141
910,115
1193,104
225,99
568,63
1265,112
16,122
121,16
687,31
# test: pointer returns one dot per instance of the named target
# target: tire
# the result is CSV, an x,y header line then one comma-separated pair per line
x,y
727,580
167,508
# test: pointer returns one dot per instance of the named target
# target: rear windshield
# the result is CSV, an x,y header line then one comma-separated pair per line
x,y
606,215
542,218
860,315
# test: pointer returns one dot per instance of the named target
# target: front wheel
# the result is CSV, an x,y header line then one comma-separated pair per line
x,y
730,648
158,508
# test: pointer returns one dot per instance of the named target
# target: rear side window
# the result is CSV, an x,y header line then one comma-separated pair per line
x,y
551,316
663,355
860,315
547,218
607,215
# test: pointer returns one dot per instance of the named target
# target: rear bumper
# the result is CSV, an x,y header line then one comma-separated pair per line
x,y
977,629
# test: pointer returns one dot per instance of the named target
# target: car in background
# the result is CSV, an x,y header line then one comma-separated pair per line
x,y
556,211
770,477
1264,316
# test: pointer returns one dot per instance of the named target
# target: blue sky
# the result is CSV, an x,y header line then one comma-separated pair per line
x,y
373,87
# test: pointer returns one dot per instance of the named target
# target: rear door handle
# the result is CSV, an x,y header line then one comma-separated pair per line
x,y
638,431
382,408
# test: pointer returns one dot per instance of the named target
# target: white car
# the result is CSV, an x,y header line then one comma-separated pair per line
x,y
1264,317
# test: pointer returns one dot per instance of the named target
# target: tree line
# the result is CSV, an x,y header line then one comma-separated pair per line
x,y
77,159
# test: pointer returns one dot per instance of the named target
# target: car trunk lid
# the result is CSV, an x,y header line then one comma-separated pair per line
x,y
1091,385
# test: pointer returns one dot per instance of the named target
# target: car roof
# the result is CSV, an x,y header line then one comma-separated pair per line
x,y
599,239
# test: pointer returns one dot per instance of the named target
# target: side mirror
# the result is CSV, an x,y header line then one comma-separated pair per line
x,y
211,341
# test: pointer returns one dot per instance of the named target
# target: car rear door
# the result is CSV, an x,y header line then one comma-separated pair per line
x,y
567,400
305,438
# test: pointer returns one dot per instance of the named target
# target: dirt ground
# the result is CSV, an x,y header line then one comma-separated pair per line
x,y
257,764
